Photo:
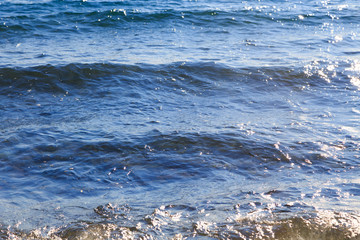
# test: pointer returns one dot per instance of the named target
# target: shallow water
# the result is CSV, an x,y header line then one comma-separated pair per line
x,y
179,119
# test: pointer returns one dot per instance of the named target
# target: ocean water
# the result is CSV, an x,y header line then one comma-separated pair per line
x,y
179,119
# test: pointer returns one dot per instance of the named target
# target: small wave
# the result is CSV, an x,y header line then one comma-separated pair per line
x,y
191,77
57,79
53,79
70,161
183,222
84,18
77,20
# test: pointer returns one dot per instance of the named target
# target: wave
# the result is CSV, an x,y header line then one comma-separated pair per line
x,y
190,77
83,17
74,21
66,160
181,221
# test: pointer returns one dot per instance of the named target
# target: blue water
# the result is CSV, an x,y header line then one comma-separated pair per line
x,y
179,119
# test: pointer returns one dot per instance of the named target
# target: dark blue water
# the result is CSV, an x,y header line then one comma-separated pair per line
x,y
179,119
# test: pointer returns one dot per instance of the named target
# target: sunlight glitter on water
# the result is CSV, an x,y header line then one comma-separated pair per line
x,y
179,120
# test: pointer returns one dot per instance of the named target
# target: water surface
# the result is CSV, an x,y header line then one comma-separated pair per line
x,y
179,119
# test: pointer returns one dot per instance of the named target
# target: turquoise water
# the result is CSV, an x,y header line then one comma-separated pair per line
x,y
179,119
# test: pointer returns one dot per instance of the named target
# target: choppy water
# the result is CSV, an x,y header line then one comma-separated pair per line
x,y
179,119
